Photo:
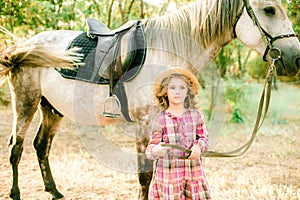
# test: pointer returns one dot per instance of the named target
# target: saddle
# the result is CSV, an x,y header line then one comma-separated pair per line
x,y
117,50
110,57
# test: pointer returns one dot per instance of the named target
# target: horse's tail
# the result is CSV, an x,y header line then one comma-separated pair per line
x,y
24,54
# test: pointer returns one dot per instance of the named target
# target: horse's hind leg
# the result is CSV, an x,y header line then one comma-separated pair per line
x,y
42,143
145,166
24,106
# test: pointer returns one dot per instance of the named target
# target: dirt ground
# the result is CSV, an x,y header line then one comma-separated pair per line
x,y
269,170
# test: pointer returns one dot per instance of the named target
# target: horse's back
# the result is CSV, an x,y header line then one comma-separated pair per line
x,y
56,39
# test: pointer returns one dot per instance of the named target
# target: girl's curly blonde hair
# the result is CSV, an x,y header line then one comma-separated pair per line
x,y
162,97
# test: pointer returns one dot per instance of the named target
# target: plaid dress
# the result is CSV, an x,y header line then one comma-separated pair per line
x,y
179,178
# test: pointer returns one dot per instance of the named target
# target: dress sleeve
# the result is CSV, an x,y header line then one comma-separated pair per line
x,y
201,133
155,136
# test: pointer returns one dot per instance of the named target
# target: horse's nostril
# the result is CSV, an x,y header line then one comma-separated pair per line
x,y
297,62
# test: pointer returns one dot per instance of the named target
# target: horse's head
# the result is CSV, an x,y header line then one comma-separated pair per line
x,y
265,27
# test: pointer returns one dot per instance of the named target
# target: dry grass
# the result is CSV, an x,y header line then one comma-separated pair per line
x,y
268,171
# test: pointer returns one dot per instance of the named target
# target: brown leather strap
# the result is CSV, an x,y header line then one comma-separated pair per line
x,y
261,115
175,146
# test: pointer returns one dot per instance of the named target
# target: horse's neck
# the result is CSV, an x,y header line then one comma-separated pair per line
x,y
173,39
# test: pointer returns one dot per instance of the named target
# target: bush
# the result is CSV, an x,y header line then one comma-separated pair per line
x,y
235,98
257,68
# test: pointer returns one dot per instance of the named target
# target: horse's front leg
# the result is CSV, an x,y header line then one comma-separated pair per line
x,y
145,166
24,106
42,143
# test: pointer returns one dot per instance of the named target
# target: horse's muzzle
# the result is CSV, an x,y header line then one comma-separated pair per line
x,y
293,71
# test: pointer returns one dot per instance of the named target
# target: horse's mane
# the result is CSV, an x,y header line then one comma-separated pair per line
x,y
201,22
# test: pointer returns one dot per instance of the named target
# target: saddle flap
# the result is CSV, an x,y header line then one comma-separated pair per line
x,y
115,54
128,48
107,56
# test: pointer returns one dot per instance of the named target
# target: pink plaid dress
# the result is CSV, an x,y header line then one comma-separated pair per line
x,y
175,178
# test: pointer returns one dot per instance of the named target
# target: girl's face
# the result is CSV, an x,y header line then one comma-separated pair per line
x,y
177,91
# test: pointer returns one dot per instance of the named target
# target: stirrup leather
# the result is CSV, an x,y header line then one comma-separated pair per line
x,y
110,113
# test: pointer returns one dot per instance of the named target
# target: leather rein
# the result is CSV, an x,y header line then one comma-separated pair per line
x,y
261,115
274,54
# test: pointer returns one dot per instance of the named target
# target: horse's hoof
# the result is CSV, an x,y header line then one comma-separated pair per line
x,y
57,195
15,194
15,197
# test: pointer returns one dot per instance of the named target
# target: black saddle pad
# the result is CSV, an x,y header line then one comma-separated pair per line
x,y
88,48
84,73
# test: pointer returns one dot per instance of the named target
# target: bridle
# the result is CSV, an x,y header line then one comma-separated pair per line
x,y
274,54
267,37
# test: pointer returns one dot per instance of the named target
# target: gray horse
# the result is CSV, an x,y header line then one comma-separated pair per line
x,y
190,37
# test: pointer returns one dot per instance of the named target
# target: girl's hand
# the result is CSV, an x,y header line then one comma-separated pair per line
x,y
196,152
159,151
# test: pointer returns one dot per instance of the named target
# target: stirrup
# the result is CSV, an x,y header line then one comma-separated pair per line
x,y
111,114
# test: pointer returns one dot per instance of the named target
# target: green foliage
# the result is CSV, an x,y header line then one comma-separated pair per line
x,y
12,14
28,17
235,99
237,117
234,93
293,10
257,68
223,60
233,59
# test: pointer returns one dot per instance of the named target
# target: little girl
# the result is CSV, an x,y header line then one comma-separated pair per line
x,y
182,124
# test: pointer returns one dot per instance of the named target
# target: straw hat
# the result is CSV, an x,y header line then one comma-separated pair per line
x,y
176,70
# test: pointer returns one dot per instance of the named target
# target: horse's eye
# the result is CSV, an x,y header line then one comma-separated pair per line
x,y
269,10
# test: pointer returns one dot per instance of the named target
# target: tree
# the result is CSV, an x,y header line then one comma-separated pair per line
x,y
293,11
28,17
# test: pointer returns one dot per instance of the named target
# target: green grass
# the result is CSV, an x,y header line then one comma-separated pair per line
x,y
270,168
284,105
